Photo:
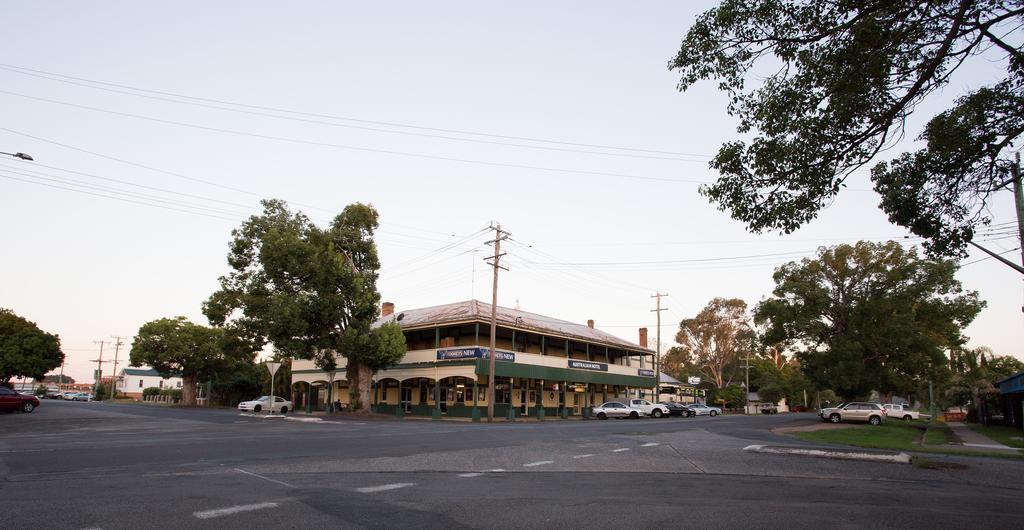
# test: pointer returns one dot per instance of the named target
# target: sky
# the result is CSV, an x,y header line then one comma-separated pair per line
x,y
560,121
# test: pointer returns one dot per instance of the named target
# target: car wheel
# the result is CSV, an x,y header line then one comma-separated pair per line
x,y
602,416
875,420
257,408
907,417
656,413
713,413
27,407
284,410
633,415
834,418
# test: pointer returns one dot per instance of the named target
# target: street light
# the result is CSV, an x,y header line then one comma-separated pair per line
x,y
22,156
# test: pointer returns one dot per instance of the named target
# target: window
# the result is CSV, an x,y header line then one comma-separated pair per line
x,y
4,391
161,383
179,384
384,392
140,383
423,393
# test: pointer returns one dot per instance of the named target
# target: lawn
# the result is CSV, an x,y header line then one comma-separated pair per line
x,y
899,436
1004,435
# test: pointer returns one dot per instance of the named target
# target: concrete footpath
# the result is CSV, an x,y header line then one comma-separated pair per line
x,y
975,439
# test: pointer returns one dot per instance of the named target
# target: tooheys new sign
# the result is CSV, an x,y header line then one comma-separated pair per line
x,y
474,353
587,365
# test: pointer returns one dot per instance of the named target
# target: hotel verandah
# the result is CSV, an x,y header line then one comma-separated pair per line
x,y
544,367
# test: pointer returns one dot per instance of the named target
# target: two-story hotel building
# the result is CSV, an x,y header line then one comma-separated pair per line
x,y
543,366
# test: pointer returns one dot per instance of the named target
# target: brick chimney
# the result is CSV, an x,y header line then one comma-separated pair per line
x,y
643,337
387,309
590,323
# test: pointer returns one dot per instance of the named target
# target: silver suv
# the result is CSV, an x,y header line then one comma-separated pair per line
x,y
872,413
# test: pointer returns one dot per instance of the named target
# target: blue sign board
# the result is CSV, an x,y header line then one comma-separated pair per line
x,y
449,354
644,372
588,365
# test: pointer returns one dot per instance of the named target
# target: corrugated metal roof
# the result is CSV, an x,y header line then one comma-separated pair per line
x,y
475,310
141,371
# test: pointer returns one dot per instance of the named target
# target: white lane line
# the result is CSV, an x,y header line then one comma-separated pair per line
x,y
541,463
650,444
264,478
619,450
495,470
385,487
469,475
583,456
220,512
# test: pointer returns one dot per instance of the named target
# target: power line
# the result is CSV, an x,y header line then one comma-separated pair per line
x,y
42,73
357,148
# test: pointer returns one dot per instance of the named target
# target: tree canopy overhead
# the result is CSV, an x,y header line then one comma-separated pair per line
x,y
715,340
26,350
869,317
844,77
309,291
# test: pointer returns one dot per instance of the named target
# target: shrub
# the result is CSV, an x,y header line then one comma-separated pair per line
x,y
151,391
40,390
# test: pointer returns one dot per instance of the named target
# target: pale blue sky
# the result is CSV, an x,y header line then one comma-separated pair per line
x,y
88,267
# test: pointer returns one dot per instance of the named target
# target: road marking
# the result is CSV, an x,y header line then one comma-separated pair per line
x,y
619,450
650,444
385,487
495,470
541,463
583,456
264,478
230,510
469,475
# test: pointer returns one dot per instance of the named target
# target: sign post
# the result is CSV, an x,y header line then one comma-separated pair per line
x,y
272,366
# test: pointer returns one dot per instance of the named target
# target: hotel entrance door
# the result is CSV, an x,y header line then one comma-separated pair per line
x,y
407,400
522,403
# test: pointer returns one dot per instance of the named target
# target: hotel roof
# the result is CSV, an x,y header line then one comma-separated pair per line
x,y
475,310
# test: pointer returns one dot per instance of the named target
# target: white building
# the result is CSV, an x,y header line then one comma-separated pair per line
x,y
132,381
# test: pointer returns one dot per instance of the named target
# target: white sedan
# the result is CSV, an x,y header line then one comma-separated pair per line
x,y
614,409
280,404
701,409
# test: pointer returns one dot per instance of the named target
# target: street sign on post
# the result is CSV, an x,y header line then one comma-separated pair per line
x,y
272,366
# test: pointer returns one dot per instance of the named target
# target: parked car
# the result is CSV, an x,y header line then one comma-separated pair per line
x,y
53,394
11,401
68,395
80,396
700,409
678,409
769,408
903,412
872,413
614,409
655,410
280,404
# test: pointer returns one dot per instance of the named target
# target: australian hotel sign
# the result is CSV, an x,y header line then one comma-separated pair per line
x,y
449,354
588,365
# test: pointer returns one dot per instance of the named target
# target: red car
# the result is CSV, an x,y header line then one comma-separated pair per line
x,y
11,401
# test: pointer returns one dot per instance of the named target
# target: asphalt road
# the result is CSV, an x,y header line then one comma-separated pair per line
x,y
99,465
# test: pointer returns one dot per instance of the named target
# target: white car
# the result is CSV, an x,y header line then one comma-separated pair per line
x,y
655,410
700,409
903,412
280,404
614,409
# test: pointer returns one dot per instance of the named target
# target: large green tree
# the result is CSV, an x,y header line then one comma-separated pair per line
x,y
716,340
821,87
177,347
869,317
26,350
309,291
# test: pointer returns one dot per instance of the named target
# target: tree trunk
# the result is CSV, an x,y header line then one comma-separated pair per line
x,y
360,394
188,390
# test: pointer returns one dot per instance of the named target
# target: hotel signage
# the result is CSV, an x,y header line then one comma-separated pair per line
x,y
644,372
588,365
449,354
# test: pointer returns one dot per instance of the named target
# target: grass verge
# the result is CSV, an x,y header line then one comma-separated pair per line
x,y
1004,435
897,437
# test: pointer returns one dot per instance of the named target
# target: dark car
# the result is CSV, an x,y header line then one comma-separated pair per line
x,y
677,409
11,401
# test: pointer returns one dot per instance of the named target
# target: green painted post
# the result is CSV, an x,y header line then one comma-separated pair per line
x,y
436,413
400,409
540,398
476,394
309,399
477,341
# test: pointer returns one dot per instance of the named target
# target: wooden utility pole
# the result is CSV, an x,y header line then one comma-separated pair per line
x,y
99,366
494,261
1018,200
657,347
118,342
